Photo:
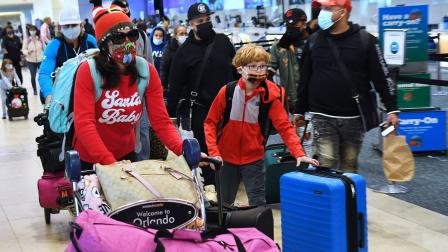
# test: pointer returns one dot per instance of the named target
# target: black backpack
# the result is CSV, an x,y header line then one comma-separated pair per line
x,y
263,116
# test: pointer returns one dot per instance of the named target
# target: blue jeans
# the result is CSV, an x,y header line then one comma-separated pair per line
x,y
34,67
338,142
144,136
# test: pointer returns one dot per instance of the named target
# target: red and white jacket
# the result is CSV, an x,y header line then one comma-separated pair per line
x,y
241,141
104,130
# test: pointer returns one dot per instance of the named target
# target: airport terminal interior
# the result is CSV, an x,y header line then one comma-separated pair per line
x,y
404,214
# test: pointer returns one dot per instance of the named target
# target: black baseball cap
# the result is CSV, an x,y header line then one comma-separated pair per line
x,y
198,9
293,16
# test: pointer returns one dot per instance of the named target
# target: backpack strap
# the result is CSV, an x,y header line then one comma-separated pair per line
x,y
143,71
142,83
263,114
230,89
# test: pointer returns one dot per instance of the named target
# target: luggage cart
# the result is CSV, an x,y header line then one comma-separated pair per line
x,y
187,214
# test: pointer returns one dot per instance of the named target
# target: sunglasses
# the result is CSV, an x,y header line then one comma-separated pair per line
x,y
119,37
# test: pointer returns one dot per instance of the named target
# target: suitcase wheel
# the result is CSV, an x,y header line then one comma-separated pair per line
x,y
47,212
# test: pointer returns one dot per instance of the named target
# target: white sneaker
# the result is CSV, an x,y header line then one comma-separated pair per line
x,y
210,193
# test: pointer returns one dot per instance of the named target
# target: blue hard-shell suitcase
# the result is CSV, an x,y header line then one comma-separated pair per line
x,y
323,211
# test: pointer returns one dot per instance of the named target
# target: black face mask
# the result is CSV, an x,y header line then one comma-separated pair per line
x,y
294,33
291,37
205,31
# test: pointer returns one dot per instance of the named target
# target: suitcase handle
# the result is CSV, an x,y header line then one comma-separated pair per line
x,y
362,241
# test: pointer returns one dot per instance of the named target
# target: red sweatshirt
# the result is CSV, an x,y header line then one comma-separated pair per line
x,y
104,130
241,141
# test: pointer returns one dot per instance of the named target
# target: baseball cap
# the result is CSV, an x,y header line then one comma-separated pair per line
x,y
347,4
69,15
293,16
198,9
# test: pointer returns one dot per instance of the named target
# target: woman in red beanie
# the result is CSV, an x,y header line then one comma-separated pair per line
x,y
104,125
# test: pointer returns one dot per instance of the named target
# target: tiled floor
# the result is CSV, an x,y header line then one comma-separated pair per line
x,y
394,225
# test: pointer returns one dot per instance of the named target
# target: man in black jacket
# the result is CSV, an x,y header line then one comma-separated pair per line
x,y
185,70
326,93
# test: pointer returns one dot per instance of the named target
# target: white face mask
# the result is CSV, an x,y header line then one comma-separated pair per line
x,y
182,39
71,33
32,33
157,41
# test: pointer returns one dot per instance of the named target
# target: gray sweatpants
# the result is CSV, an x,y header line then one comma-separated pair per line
x,y
253,179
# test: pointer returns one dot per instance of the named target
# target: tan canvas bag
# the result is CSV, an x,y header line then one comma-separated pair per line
x,y
165,179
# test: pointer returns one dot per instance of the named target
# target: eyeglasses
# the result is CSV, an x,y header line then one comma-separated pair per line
x,y
119,37
257,68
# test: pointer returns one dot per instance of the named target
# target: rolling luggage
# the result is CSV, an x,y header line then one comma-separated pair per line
x,y
17,103
55,193
323,210
277,161
239,217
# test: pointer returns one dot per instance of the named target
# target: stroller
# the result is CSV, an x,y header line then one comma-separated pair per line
x,y
176,213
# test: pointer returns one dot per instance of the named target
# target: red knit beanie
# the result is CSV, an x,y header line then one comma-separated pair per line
x,y
108,20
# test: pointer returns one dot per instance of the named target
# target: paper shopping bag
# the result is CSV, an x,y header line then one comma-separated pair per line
x,y
398,161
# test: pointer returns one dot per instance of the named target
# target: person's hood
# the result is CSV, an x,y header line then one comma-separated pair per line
x,y
158,28
354,28
268,90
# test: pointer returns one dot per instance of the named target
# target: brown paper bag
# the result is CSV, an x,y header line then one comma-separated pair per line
x,y
398,161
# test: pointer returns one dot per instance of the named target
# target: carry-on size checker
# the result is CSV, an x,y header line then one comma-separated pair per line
x,y
323,210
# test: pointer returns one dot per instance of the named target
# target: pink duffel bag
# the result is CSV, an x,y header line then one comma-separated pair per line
x,y
94,232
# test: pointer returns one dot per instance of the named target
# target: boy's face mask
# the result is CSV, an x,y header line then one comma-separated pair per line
x,y
253,78
124,53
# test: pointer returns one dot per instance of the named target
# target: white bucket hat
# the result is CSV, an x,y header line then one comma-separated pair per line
x,y
69,15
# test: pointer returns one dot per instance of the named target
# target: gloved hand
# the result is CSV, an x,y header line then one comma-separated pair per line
x,y
96,3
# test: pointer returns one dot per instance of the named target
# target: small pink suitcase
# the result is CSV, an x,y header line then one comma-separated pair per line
x,y
55,193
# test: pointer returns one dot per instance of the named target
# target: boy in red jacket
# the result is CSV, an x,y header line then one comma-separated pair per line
x,y
241,144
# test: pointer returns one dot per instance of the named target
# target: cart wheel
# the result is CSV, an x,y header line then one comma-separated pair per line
x,y
10,118
26,117
47,212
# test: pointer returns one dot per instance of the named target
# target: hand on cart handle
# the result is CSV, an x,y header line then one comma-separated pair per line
x,y
214,162
307,160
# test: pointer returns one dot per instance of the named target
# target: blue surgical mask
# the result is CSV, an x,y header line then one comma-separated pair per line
x,y
325,19
71,33
157,41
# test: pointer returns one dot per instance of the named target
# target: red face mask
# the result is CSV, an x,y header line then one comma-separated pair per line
x,y
254,78
124,53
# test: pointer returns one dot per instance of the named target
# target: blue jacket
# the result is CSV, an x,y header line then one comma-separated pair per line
x,y
56,53
157,50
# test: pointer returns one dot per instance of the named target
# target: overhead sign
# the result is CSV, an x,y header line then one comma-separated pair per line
x,y
394,47
414,19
